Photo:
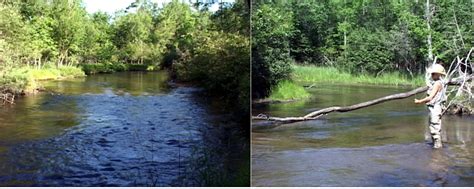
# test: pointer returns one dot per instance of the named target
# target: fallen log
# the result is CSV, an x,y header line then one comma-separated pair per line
x,y
316,114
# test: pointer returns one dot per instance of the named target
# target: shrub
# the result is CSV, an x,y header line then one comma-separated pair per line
x,y
16,81
287,90
271,61
220,63
71,71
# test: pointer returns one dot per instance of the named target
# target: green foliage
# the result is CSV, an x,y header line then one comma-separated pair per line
x,y
219,63
365,38
272,28
310,20
97,45
232,19
368,52
288,90
132,36
16,81
68,29
12,35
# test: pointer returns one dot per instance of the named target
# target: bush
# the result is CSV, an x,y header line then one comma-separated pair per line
x,y
17,81
71,71
287,90
271,61
220,64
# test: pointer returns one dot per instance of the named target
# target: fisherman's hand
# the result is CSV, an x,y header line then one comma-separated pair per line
x,y
418,101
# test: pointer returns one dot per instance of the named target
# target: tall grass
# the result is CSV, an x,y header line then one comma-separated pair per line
x,y
332,75
287,90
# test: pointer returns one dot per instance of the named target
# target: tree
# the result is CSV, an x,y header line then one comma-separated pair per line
x,y
12,31
272,27
68,29
97,46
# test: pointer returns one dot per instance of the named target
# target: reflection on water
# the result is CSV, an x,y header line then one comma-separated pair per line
x,y
123,129
383,145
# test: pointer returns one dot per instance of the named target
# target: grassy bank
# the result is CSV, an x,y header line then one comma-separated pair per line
x,y
25,79
288,90
313,74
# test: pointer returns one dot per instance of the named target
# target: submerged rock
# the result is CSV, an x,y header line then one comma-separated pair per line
x,y
460,109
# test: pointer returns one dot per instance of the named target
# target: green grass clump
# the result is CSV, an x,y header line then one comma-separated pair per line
x,y
332,75
287,90
53,73
71,71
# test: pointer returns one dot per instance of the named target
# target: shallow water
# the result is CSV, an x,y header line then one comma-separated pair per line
x,y
383,145
122,129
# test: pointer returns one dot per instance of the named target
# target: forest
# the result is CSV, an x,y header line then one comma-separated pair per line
x,y
368,41
44,39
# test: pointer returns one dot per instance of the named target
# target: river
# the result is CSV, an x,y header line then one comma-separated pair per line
x,y
121,129
382,145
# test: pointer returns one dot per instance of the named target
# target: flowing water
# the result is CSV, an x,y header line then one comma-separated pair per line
x,y
122,129
382,145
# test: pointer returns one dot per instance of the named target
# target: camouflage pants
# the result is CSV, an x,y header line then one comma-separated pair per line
x,y
435,120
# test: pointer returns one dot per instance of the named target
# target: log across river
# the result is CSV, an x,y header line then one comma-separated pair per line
x,y
316,114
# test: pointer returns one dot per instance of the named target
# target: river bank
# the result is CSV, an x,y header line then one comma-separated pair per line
x,y
25,80
315,74
310,76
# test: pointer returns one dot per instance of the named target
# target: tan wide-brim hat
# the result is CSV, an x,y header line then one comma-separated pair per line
x,y
437,68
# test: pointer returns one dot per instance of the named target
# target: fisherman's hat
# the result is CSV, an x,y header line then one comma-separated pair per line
x,y
437,68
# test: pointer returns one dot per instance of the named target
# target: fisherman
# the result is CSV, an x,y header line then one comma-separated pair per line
x,y
435,102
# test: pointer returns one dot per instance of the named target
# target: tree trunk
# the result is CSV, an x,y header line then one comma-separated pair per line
x,y
457,28
428,21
